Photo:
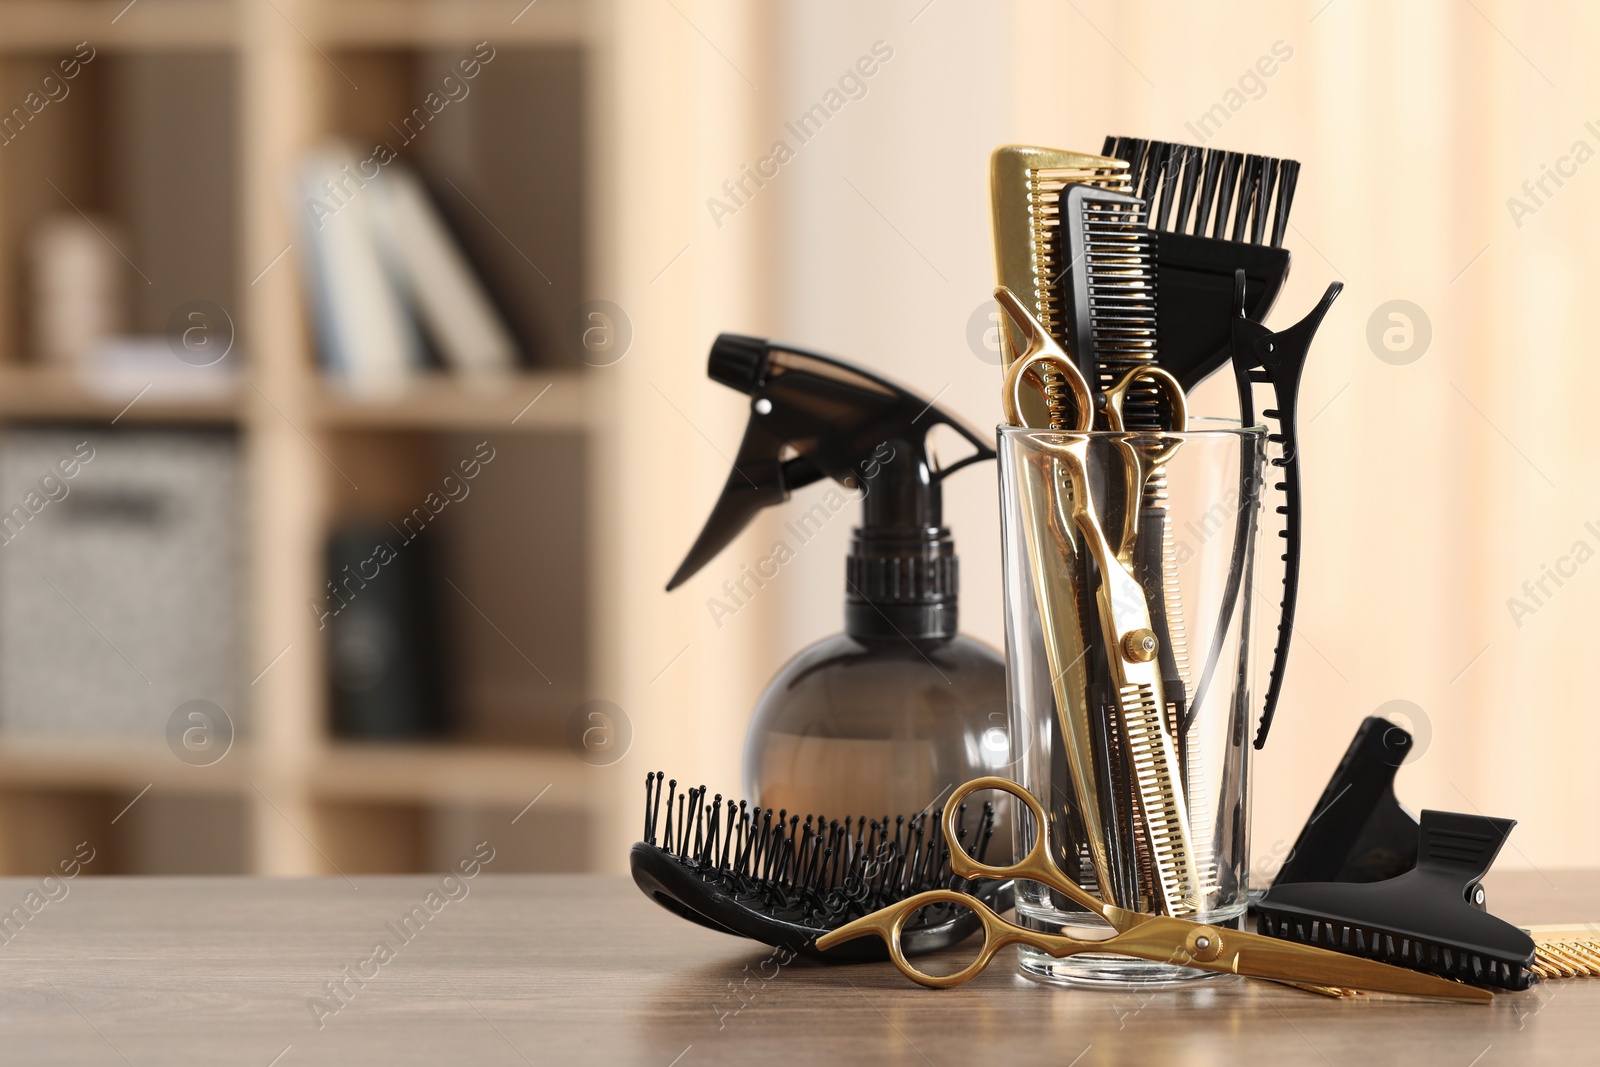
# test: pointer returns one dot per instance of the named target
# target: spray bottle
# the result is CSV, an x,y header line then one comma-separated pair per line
x,y
890,715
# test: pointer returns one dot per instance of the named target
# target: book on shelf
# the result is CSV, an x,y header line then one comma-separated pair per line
x,y
389,280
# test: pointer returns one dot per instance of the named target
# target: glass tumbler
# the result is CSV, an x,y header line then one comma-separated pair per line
x,y
1133,712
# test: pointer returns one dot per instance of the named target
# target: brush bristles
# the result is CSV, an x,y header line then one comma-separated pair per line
x,y
809,870
1195,189
1389,947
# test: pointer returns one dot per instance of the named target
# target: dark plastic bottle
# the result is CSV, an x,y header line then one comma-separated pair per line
x,y
889,716
872,726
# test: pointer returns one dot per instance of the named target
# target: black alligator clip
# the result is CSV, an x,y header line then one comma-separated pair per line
x,y
1274,359
1277,359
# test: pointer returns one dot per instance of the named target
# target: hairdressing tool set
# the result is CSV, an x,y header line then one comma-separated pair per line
x,y
1124,279
1104,263
1187,279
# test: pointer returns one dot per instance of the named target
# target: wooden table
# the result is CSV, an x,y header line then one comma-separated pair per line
x,y
583,969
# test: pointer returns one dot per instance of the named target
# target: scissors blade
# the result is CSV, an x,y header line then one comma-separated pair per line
x,y
1257,956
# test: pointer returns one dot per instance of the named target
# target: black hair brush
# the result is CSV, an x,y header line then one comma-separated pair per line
x,y
785,880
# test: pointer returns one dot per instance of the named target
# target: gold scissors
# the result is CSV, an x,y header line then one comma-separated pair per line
x,y
1044,365
1124,611
1160,938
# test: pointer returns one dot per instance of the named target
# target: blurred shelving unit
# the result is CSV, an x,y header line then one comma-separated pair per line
x,y
290,799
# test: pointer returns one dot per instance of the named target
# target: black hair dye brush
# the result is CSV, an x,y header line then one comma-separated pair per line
x,y
1212,213
785,880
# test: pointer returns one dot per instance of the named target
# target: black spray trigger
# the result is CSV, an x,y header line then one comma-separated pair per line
x,y
812,417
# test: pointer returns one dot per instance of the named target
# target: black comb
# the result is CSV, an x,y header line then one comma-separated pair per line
x,y
785,880
1108,291
1429,919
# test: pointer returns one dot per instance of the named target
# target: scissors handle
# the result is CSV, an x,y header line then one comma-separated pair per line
x,y
1043,361
1036,866
1117,396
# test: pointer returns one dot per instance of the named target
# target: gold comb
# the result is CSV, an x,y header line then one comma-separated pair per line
x,y
1023,183
1566,951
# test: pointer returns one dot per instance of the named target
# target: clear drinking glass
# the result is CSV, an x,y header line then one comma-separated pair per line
x,y
1100,757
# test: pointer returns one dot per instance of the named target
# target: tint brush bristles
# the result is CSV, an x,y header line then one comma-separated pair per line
x,y
809,870
1237,194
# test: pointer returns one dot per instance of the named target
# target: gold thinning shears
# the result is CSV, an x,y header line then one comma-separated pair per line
x,y
1125,624
1159,938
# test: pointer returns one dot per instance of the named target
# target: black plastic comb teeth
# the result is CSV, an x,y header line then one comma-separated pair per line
x,y
1238,193
1108,289
785,880
1429,919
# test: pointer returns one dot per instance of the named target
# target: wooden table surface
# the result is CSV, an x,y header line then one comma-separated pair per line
x,y
583,969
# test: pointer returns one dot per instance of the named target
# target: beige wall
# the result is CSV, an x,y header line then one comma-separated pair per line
x,y
1434,489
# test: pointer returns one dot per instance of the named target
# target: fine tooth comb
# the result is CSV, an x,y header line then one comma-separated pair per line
x,y
1566,951
1107,289
1108,292
785,880
1214,212
1429,919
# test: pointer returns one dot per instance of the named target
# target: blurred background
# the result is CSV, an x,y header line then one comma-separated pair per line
x,y
220,419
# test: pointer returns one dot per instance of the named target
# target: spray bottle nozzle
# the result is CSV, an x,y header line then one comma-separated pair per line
x,y
812,416
737,361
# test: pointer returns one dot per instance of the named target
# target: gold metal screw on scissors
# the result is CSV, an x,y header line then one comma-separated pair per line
x,y
1149,937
